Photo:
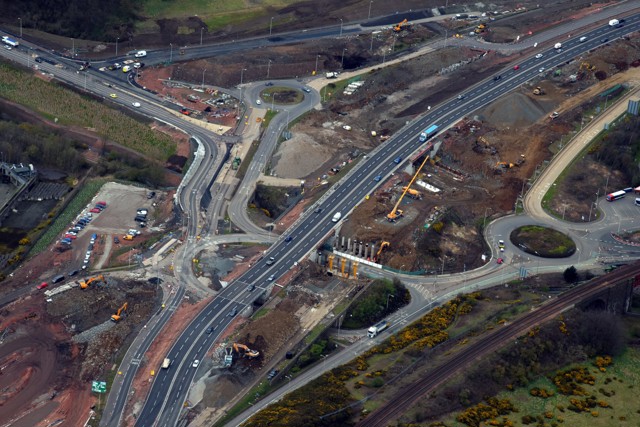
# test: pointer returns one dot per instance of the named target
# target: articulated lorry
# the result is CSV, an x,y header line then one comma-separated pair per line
x,y
428,133
377,328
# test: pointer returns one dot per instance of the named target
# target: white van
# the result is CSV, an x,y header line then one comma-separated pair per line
x,y
583,39
141,54
126,69
637,201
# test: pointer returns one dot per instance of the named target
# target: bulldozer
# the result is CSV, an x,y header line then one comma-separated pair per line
x,y
538,91
480,28
246,351
84,284
119,313
383,245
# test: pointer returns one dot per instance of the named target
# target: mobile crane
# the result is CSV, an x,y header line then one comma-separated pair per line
x,y
84,284
397,213
119,313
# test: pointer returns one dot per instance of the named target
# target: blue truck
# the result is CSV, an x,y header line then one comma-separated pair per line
x,y
428,133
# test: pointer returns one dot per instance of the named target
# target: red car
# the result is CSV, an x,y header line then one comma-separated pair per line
x,y
42,285
70,236
500,261
95,210
102,204
516,67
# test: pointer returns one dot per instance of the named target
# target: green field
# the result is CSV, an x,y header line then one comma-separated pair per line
x,y
216,14
69,108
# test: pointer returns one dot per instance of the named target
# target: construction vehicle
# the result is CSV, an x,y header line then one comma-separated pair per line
x,y
508,165
120,312
480,28
246,351
84,284
414,194
377,328
382,246
400,25
538,91
397,213
587,66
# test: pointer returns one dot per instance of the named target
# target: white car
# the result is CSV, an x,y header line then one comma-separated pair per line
x,y
136,104
538,56
195,363
541,70
258,102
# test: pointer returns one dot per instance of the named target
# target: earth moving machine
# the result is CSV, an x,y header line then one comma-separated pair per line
x,y
377,328
399,27
414,194
480,28
397,213
120,312
382,246
246,351
538,91
84,284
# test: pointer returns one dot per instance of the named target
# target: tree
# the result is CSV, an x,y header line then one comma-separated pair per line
x,y
571,275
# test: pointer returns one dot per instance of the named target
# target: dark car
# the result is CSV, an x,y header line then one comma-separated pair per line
x,y
397,160
151,195
288,239
251,288
209,330
496,78
39,60
73,273
116,240
377,178
233,312
307,90
318,210
268,84
154,280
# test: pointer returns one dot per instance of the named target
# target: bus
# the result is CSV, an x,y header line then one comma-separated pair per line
x,y
9,41
615,196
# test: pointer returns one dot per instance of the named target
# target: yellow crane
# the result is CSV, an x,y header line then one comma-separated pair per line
x,y
119,313
397,213
245,350
84,284
413,193
398,27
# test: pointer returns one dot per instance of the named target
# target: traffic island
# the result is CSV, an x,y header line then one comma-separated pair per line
x,y
543,241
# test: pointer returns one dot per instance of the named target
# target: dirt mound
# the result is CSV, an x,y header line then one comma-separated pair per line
x,y
514,110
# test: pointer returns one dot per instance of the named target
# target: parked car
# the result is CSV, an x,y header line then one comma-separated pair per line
x,y
95,210
42,285
116,240
499,261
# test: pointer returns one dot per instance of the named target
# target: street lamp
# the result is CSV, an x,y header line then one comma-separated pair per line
x,y
201,30
342,61
317,57
20,20
171,53
268,68
369,15
270,26
117,38
388,296
340,27
203,71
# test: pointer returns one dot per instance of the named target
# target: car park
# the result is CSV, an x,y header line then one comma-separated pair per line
x,y
288,239
195,363
233,312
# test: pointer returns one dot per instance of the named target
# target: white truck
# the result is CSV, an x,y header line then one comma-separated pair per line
x,y
377,328
331,75
336,217
140,54
557,46
166,363
614,23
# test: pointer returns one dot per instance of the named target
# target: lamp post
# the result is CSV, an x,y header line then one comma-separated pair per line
x,y
171,53
316,69
268,68
270,26
201,30
342,61
371,47
369,15
203,71
388,296
20,20
241,77
73,47
117,38
340,27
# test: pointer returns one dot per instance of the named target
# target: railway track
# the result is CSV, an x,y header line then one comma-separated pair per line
x,y
409,395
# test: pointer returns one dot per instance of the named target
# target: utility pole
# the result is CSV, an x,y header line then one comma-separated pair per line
x,y
271,26
369,15
117,38
20,20
201,30
341,29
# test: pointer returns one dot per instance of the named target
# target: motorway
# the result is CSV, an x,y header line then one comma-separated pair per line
x,y
170,386
169,389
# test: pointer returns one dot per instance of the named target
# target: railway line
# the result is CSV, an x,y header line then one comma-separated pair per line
x,y
409,395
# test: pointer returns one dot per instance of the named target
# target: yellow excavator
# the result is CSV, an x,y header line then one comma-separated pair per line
x,y
119,313
397,213
413,193
383,245
399,27
246,351
538,91
84,284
